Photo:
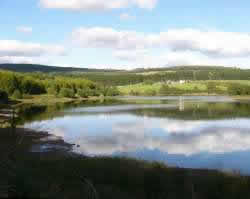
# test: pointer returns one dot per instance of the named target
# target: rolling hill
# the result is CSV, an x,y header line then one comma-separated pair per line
x,y
48,69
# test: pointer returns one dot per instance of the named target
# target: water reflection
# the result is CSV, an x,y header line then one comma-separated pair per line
x,y
162,132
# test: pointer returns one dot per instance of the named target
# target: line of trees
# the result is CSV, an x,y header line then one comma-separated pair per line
x,y
18,85
206,87
211,88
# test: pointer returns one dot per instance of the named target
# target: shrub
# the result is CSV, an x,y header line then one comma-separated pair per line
x,y
67,92
31,86
96,92
238,89
109,91
8,82
84,92
17,94
112,91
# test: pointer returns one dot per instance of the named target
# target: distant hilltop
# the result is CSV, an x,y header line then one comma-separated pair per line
x,y
48,69
57,69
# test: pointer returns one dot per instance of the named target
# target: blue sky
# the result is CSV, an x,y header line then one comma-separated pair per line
x,y
125,33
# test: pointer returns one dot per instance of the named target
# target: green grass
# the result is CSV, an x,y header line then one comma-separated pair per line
x,y
144,88
188,88
140,88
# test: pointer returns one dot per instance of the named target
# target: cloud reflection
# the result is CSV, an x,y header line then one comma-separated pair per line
x,y
170,136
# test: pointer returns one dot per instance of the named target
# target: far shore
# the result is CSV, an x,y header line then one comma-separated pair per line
x,y
50,100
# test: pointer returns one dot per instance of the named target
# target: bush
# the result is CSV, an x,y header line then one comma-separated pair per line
x,y
84,92
112,91
109,91
8,82
3,97
96,93
238,89
67,92
31,86
17,94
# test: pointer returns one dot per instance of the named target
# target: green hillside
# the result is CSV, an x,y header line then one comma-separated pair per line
x,y
151,75
46,69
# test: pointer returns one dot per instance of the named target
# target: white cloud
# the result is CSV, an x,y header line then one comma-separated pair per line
x,y
97,5
126,16
12,51
194,138
175,136
209,43
99,37
24,29
13,48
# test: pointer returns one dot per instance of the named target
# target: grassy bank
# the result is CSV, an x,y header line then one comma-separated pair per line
x,y
59,174
51,99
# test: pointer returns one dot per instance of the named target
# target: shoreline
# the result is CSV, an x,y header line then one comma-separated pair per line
x,y
51,100
111,177
43,138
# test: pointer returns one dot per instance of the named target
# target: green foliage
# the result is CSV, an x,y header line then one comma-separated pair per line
x,y
30,86
189,88
39,83
109,91
238,89
66,92
112,91
9,82
3,97
84,92
17,94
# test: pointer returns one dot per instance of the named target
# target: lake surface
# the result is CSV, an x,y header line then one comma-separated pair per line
x,y
190,132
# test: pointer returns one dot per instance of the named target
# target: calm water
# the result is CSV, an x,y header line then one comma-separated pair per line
x,y
191,132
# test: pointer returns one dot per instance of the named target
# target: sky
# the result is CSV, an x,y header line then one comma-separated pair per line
x,y
125,34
